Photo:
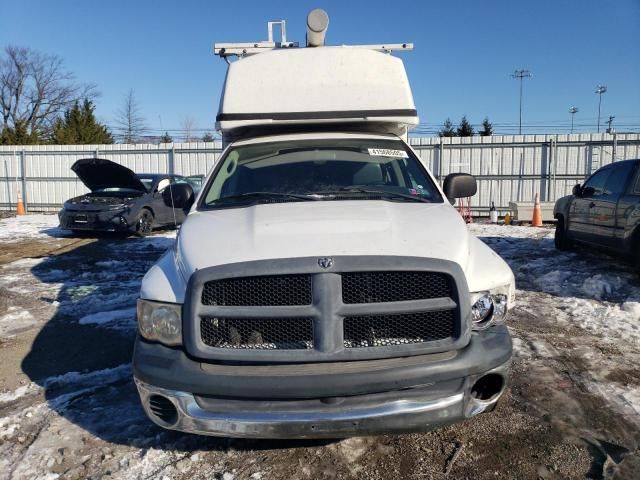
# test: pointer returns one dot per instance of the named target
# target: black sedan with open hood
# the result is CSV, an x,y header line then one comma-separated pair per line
x,y
123,201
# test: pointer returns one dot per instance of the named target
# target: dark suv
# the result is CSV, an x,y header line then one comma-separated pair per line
x,y
605,211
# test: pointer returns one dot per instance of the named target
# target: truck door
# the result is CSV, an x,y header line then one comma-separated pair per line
x,y
628,211
604,221
164,214
580,226
180,214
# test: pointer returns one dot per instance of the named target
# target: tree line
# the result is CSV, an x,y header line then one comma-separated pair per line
x,y
41,102
465,128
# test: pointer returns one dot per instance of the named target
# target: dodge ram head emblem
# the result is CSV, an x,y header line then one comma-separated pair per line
x,y
325,262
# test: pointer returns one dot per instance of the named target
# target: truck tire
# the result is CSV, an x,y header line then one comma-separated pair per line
x,y
561,240
144,222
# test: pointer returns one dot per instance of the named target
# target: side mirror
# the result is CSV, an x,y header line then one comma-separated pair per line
x,y
577,190
178,195
459,185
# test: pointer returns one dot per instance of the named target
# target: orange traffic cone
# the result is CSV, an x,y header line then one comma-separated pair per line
x,y
536,221
20,206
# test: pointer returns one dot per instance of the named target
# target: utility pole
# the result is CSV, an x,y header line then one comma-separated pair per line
x,y
600,89
610,122
573,111
521,75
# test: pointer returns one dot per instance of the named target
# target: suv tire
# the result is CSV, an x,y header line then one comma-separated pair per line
x,y
561,240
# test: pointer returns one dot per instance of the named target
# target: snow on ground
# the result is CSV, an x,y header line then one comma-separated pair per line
x,y
89,283
123,318
14,229
85,423
581,290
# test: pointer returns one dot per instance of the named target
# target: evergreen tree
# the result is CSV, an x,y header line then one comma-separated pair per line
x,y
487,128
19,135
447,129
207,137
166,138
79,126
465,129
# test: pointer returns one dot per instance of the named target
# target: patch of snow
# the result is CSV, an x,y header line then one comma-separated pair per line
x,y
18,393
633,309
113,316
601,286
110,263
15,320
30,226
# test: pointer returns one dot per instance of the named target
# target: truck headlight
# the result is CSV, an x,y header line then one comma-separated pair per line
x,y
161,322
490,307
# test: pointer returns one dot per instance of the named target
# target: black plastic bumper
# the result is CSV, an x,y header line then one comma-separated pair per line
x,y
322,400
169,368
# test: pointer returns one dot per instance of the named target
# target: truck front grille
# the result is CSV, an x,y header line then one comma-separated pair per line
x,y
398,329
305,310
377,287
271,290
258,334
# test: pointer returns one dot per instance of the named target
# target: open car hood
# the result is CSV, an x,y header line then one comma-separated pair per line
x,y
97,173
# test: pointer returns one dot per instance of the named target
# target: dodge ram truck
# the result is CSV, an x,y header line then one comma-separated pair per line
x,y
322,284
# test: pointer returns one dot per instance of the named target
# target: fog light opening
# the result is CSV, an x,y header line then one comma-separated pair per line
x,y
487,387
163,409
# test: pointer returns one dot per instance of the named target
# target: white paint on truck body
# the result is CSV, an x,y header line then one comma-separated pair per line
x,y
323,228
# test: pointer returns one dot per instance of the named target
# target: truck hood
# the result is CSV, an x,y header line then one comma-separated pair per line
x,y
97,173
322,228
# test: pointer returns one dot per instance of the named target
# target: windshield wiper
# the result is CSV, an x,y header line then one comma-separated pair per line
x,y
372,191
260,196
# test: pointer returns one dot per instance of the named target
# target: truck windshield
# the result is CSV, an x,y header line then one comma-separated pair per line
x,y
305,170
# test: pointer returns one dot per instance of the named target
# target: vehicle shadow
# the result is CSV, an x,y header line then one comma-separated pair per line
x,y
583,272
81,356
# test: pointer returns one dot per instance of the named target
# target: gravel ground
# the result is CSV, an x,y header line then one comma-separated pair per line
x,y
68,407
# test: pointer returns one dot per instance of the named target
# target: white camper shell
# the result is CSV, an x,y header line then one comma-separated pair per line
x,y
344,85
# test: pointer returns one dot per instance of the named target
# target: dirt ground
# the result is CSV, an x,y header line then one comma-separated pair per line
x,y
553,423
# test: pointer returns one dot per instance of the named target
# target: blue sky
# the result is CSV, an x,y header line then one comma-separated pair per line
x,y
464,53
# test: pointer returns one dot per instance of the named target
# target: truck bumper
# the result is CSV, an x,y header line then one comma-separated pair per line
x,y
448,390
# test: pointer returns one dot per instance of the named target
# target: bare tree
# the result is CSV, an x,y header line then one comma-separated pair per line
x,y
187,127
35,89
131,125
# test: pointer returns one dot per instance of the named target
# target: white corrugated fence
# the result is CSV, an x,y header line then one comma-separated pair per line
x,y
508,168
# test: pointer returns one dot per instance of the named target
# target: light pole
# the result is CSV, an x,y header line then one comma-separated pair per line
x,y
573,111
600,89
521,75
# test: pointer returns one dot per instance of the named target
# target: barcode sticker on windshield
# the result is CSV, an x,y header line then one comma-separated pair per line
x,y
387,152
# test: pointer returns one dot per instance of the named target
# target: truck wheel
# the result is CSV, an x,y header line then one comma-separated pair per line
x,y
561,240
144,223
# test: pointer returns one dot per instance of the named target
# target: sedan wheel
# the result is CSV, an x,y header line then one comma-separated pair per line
x,y
144,225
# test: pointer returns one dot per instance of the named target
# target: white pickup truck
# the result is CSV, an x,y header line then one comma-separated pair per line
x,y
322,284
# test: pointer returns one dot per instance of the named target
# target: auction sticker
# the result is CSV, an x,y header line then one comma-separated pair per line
x,y
387,152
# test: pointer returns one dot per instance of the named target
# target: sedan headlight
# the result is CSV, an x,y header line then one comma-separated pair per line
x,y
490,307
161,322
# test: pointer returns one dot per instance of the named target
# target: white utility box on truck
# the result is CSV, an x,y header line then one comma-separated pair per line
x,y
322,284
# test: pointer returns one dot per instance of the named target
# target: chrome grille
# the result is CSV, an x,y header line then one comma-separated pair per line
x,y
377,287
